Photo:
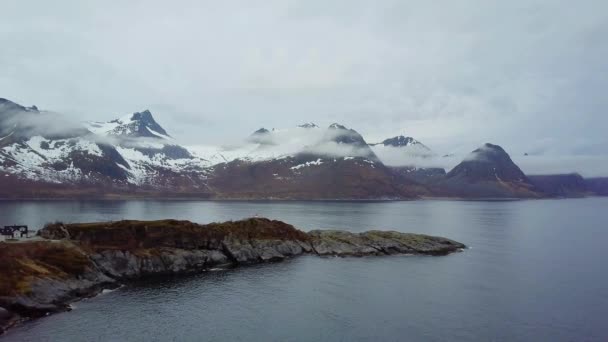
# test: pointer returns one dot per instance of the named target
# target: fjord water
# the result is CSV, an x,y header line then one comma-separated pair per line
x,y
536,271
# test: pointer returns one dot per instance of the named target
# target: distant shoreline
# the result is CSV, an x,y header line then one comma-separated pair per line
x,y
270,200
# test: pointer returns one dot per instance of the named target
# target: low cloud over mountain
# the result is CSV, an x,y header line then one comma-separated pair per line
x,y
43,155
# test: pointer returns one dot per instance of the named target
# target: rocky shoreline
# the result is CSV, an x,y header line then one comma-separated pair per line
x,y
74,261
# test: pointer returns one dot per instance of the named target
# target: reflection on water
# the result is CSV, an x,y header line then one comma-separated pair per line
x,y
535,271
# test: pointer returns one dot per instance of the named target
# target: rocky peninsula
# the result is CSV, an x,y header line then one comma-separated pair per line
x,y
73,261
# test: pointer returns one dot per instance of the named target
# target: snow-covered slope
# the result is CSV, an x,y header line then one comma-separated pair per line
x,y
134,150
41,146
148,149
54,160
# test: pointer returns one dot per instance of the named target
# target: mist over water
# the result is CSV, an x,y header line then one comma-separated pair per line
x,y
535,271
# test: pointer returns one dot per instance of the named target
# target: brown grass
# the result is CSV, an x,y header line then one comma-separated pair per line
x,y
20,263
131,234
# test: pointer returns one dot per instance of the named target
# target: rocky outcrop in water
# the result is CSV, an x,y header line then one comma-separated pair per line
x,y
73,261
342,243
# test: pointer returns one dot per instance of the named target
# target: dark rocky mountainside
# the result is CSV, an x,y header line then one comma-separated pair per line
x,y
488,163
597,186
79,260
567,185
306,177
487,172
429,176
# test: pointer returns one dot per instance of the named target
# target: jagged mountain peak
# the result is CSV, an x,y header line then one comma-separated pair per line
x,y
146,125
145,116
138,124
308,125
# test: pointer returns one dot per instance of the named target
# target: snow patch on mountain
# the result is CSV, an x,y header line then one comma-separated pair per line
x,y
160,135
136,125
35,157
310,163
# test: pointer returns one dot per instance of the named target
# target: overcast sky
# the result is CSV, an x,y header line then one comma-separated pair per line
x,y
529,75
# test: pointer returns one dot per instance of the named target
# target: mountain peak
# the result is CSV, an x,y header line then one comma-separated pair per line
x,y
261,131
145,116
8,105
138,124
488,162
488,152
143,125
401,141
308,125
337,126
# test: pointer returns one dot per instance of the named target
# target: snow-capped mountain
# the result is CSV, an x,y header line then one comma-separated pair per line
x,y
136,125
150,151
401,141
133,151
43,155
401,151
306,140
38,145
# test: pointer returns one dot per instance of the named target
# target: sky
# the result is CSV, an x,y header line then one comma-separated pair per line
x,y
528,75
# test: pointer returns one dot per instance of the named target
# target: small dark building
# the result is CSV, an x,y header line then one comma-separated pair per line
x,y
12,230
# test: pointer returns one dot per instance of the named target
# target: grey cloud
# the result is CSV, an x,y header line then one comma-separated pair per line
x,y
453,74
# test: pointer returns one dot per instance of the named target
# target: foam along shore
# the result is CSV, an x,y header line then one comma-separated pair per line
x,y
74,261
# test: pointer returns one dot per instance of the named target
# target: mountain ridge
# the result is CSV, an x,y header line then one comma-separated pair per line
x,y
136,156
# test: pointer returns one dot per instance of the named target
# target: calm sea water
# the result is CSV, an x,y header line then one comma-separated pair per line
x,y
536,271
